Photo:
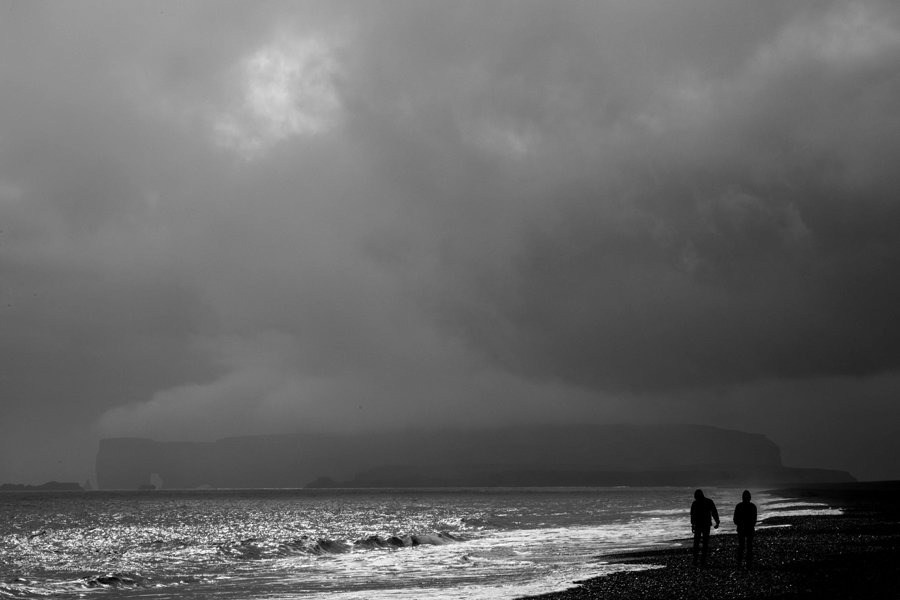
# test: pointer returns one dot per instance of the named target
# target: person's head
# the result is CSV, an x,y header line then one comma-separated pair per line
x,y
746,496
698,494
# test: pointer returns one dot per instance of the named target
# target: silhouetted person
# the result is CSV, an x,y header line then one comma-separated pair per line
x,y
745,519
703,512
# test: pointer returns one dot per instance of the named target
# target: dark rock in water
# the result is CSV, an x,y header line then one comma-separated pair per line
x,y
373,541
112,580
330,546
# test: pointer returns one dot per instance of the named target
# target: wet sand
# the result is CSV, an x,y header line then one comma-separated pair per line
x,y
853,555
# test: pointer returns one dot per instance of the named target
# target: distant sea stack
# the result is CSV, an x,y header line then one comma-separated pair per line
x,y
514,456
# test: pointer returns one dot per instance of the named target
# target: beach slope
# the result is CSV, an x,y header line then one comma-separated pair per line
x,y
852,555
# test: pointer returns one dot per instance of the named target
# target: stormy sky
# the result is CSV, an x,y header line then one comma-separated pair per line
x,y
225,218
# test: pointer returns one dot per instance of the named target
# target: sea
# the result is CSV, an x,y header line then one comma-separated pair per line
x,y
442,544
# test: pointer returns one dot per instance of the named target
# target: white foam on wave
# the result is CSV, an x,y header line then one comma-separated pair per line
x,y
498,566
665,512
796,508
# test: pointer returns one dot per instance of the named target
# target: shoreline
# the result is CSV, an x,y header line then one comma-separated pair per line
x,y
852,555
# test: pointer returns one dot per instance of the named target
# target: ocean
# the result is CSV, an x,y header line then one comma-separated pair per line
x,y
336,544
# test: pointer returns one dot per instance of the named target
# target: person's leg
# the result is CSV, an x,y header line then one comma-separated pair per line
x,y
705,551
741,540
749,550
696,545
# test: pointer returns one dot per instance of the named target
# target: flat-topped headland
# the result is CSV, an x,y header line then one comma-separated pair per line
x,y
851,555
576,455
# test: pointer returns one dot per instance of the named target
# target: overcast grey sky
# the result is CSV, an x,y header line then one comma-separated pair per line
x,y
223,218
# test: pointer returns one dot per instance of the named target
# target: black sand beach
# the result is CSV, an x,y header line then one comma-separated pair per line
x,y
853,555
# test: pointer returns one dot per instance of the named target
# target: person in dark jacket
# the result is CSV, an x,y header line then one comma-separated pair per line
x,y
703,512
745,519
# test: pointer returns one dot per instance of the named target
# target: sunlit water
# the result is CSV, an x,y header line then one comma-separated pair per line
x,y
335,544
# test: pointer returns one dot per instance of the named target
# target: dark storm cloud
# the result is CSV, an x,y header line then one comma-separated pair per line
x,y
224,218
694,205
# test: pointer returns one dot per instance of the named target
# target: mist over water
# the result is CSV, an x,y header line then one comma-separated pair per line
x,y
446,544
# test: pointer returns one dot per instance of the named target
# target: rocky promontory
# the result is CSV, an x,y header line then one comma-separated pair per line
x,y
514,456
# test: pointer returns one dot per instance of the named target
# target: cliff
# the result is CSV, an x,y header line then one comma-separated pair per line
x,y
567,476
574,455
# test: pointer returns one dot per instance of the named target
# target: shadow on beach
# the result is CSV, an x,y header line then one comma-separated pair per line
x,y
852,555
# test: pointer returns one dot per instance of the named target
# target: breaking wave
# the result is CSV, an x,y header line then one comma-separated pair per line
x,y
252,548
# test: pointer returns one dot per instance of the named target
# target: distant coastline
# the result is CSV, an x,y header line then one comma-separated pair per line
x,y
522,456
50,486
443,476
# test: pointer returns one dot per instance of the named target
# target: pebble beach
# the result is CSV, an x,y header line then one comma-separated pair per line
x,y
852,555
